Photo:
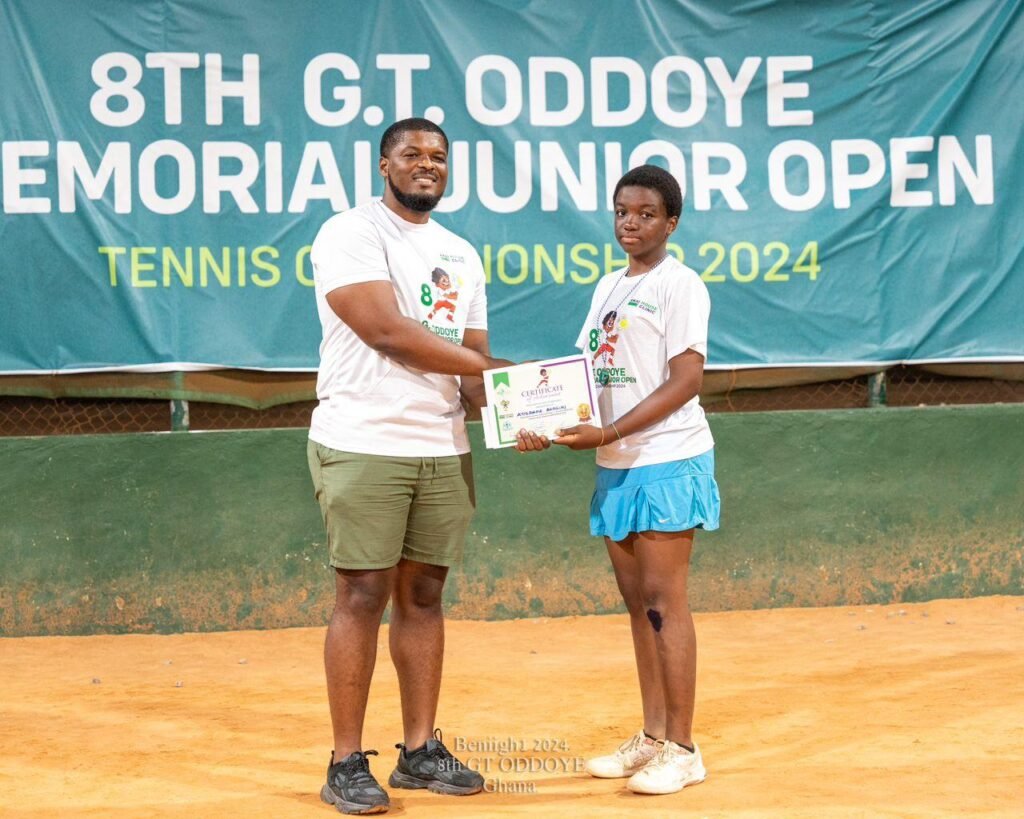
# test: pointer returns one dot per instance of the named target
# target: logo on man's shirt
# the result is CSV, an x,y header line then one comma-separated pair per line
x,y
440,295
446,257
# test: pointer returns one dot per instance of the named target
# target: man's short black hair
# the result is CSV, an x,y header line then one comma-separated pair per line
x,y
395,132
656,179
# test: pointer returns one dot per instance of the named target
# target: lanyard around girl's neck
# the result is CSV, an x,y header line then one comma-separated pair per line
x,y
641,278
601,314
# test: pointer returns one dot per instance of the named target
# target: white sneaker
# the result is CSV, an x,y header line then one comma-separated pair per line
x,y
631,756
671,770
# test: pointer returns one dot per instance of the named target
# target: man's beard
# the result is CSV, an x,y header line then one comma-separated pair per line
x,y
418,202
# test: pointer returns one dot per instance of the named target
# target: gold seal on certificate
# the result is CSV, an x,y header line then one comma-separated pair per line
x,y
542,397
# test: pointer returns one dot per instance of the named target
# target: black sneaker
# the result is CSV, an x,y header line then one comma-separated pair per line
x,y
433,767
351,788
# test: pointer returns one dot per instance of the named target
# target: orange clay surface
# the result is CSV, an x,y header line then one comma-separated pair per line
x,y
912,710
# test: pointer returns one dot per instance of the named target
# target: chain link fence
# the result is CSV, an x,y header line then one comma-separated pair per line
x,y
899,387
912,387
840,394
77,416
205,416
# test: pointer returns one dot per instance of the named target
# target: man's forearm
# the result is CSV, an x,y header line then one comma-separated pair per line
x,y
473,391
410,343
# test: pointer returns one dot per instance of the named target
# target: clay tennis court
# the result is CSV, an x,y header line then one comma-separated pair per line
x,y
912,710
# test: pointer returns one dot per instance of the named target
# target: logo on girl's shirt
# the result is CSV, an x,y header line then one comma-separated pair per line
x,y
602,346
646,306
604,339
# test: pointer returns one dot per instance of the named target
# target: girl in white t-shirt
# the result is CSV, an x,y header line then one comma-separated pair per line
x,y
655,469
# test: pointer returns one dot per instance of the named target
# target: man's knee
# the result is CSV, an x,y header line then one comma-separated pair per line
x,y
419,594
420,602
362,594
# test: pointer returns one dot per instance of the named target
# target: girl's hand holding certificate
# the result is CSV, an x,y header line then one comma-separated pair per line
x,y
582,436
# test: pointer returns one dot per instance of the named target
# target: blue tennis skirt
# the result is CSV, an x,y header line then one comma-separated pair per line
x,y
669,497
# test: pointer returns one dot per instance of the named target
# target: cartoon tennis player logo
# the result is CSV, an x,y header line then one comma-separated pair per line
x,y
543,378
610,338
446,294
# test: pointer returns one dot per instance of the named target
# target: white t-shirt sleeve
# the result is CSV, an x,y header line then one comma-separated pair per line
x,y
476,318
687,311
349,251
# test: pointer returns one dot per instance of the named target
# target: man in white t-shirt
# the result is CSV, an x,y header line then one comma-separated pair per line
x,y
404,315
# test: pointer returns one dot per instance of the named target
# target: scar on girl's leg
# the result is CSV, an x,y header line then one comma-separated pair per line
x,y
655,617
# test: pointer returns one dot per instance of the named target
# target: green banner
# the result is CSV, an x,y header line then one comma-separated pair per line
x,y
851,170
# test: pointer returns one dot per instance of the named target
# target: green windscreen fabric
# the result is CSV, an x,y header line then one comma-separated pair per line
x,y
851,172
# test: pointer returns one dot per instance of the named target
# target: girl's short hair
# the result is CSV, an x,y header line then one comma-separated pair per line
x,y
656,179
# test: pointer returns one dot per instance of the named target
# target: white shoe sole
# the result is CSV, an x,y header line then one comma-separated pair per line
x,y
625,775
652,792
613,776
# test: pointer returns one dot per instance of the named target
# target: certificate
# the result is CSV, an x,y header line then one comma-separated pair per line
x,y
541,397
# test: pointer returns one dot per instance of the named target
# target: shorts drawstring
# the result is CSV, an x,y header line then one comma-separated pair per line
x,y
433,467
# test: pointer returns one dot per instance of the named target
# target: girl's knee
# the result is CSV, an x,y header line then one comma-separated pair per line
x,y
660,605
654,594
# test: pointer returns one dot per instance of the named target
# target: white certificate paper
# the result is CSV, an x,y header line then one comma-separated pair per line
x,y
541,397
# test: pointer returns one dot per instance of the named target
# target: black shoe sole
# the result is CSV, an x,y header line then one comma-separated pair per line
x,y
331,798
404,780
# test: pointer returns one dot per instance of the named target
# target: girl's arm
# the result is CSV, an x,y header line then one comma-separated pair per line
x,y
685,376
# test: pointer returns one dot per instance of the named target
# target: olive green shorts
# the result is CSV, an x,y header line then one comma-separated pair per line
x,y
378,509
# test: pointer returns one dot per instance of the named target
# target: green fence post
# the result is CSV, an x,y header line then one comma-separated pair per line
x,y
179,406
876,389
179,416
